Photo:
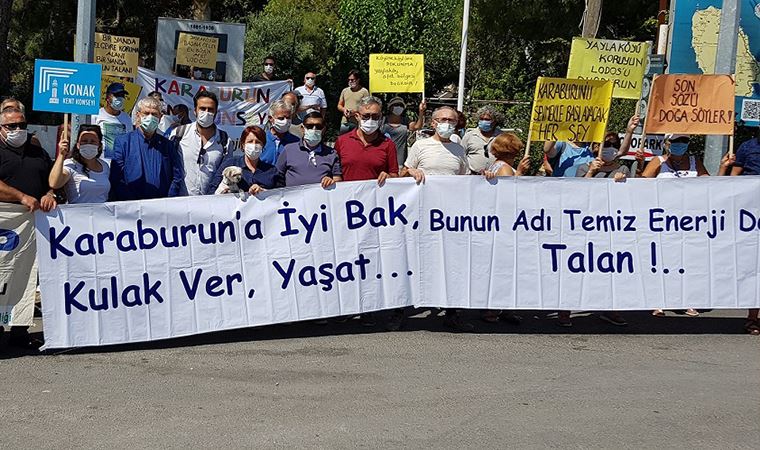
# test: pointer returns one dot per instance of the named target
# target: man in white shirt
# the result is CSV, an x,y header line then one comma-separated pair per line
x,y
312,97
438,155
112,119
203,147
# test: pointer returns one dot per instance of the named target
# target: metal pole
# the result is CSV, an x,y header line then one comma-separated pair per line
x,y
83,47
463,55
725,62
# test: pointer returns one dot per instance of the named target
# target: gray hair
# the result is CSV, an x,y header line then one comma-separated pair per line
x,y
370,100
11,110
496,115
149,102
280,105
10,101
444,108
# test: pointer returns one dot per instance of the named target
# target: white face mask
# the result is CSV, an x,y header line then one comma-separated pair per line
x,y
281,125
268,69
253,151
369,126
312,137
444,130
15,138
608,154
149,123
397,110
205,119
310,83
89,151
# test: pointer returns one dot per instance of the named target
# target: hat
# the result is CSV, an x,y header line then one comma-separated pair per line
x,y
396,101
673,137
116,88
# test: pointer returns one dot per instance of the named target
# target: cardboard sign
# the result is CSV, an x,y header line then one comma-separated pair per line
x,y
133,92
621,62
570,110
197,51
66,87
692,104
117,54
396,73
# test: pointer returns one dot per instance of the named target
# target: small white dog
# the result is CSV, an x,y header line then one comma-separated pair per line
x,y
229,184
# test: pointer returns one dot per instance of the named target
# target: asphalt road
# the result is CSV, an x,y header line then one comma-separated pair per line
x,y
676,382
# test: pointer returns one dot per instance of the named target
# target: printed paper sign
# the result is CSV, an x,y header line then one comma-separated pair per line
x,y
66,87
692,104
117,54
622,62
197,51
570,110
396,73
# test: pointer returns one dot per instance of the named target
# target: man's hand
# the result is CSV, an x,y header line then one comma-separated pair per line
x,y
418,175
327,182
619,177
346,113
381,178
633,122
63,148
30,202
594,166
255,189
423,107
48,202
728,160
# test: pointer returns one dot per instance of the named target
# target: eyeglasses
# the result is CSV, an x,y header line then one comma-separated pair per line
x,y
371,116
312,126
614,144
310,78
15,126
446,120
352,79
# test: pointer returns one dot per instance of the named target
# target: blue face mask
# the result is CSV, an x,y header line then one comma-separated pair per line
x,y
678,148
485,125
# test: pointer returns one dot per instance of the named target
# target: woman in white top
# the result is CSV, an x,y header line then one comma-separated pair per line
x,y
84,176
678,164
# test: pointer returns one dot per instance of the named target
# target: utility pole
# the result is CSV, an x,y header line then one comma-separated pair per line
x,y
463,55
725,63
592,17
83,47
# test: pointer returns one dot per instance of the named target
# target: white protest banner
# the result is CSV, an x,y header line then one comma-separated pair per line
x,y
18,268
176,267
240,104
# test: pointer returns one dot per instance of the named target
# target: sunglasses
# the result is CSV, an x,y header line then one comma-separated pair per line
x,y
15,126
312,126
371,116
310,78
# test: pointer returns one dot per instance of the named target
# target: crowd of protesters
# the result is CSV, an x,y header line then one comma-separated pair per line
x,y
154,155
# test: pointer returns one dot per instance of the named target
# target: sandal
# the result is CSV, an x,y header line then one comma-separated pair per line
x,y
658,313
752,327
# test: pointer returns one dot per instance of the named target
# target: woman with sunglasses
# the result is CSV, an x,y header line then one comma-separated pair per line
x,y
606,164
85,176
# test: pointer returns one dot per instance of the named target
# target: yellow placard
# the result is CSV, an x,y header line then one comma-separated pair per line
x,y
117,54
133,91
570,110
621,62
691,104
197,51
396,73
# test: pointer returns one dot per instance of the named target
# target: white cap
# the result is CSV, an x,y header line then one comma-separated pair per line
x,y
673,137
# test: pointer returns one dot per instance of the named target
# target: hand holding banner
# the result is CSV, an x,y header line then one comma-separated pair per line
x,y
692,104
396,73
570,110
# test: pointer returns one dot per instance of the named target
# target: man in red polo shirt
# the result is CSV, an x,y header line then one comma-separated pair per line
x,y
366,154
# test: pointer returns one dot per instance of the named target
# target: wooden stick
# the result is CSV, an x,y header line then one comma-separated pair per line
x,y
65,135
527,145
731,145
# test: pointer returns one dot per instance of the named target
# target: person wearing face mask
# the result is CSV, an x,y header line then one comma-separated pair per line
x,y
309,161
24,170
476,140
145,164
268,73
278,133
112,119
85,176
257,175
349,100
395,126
292,99
204,148
606,164
312,97
438,155
180,116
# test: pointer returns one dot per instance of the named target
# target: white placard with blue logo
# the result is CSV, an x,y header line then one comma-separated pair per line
x,y
66,87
